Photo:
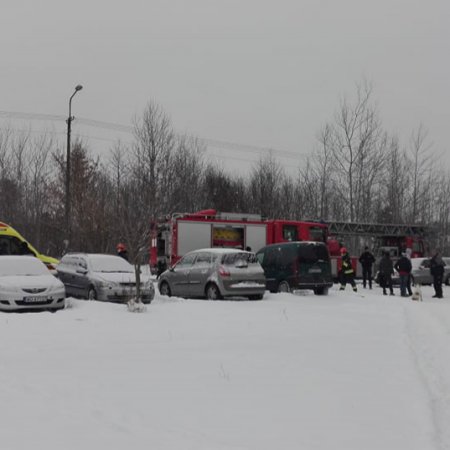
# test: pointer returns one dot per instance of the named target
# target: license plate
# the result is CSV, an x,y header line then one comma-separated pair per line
x,y
315,270
34,299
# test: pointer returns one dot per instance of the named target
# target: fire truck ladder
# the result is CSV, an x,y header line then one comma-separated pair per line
x,y
376,229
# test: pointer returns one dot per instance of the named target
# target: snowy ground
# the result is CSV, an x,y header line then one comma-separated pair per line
x,y
343,371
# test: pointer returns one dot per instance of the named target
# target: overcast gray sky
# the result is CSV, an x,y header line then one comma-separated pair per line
x,y
256,72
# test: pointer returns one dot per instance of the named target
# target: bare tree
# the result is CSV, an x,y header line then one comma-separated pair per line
x,y
358,146
264,186
422,161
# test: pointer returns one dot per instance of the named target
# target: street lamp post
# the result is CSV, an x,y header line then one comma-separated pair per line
x,y
68,204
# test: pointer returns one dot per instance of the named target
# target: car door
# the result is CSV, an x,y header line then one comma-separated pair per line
x,y
199,274
267,258
72,278
66,273
180,276
82,277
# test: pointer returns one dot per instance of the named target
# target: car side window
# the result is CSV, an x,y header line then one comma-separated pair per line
x,y
203,259
67,261
186,261
290,233
272,256
16,246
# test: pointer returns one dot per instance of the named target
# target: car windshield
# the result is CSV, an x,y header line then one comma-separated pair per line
x,y
231,258
111,263
22,266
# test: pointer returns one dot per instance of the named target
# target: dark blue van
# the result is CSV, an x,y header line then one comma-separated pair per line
x,y
296,265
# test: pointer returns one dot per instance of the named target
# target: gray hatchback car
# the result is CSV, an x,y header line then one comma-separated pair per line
x,y
102,277
215,273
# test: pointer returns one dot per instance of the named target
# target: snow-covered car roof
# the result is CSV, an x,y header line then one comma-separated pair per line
x,y
220,250
103,262
20,265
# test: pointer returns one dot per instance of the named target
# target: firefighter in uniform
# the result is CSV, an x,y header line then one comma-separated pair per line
x,y
347,272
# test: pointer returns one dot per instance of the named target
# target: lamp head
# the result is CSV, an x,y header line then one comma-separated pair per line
x,y
78,87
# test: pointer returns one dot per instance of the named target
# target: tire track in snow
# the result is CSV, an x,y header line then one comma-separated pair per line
x,y
428,333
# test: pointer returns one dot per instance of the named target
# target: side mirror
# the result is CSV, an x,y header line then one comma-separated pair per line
x,y
82,271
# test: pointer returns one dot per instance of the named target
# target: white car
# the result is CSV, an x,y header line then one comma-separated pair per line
x,y
96,276
27,284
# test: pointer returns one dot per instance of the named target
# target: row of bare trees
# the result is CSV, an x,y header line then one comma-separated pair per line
x,y
356,172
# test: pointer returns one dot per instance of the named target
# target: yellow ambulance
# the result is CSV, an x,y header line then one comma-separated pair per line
x,y
13,243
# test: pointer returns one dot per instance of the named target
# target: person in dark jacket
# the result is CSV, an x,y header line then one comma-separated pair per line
x,y
347,272
403,266
386,270
366,260
437,271
161,267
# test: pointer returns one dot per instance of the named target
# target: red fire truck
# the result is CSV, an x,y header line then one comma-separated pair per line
x,y
184,232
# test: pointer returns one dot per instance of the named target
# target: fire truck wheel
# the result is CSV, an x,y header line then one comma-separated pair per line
x,y
284,287
212,292
164,289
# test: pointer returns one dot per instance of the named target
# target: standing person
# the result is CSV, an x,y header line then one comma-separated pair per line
x,y
437,271
403,267
408,285
160,267
386,271
122,251
347,272
366,260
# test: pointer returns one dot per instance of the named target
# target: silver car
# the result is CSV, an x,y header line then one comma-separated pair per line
x,y
27,284
215,273
102,277
420,273
447,271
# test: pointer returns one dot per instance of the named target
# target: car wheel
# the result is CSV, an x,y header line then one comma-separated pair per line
x,y
321,291
212,292
164,289
447,281
92,294
284,287
413,283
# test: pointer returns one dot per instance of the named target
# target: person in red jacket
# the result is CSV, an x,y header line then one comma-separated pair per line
x,y
122,251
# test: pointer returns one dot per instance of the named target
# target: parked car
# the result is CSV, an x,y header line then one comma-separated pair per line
x,y
420,272
296,265
27,284
447,271
215,273
102,277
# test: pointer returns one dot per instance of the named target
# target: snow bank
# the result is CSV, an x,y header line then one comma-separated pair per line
x,y
343,371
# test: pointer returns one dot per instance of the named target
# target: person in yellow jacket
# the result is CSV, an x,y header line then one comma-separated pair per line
x,y
347,272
